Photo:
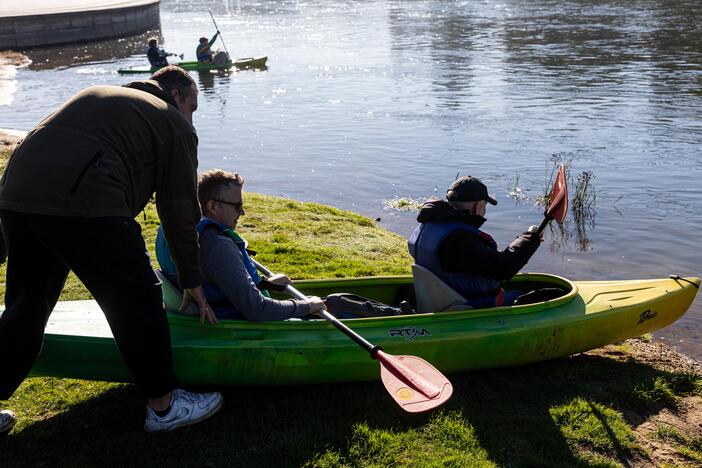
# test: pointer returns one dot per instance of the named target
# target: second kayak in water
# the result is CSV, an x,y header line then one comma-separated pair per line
x,y
241,64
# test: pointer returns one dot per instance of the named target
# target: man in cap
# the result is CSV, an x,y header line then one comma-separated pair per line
x,y
451,245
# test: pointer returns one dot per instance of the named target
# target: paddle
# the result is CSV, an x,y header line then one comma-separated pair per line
x,y
411,381
220,34
558,201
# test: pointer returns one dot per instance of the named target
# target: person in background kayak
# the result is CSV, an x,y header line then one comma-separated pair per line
x,y
232,285
94,164
451,245
156,55
205,54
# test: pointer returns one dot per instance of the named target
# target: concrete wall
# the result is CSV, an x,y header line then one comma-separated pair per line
x,y
43,30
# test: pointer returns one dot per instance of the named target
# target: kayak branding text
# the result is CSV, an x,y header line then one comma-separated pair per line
x,y
409,333
647,314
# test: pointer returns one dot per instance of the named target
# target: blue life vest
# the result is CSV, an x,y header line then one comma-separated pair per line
x,y
424,243
203,52
203,57
220,304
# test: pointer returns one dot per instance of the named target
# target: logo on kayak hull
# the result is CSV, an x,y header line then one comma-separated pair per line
x,y
409,333
647,314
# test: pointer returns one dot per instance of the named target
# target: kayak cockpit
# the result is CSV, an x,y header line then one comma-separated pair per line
x,y
433,295
419,291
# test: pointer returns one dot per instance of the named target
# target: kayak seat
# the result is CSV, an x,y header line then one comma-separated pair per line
x,y
433,295
173,297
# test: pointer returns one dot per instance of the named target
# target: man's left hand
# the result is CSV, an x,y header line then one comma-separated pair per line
x,y
280,279
198,295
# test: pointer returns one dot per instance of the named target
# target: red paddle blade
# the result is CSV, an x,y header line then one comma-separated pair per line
x,y
558,209
413,383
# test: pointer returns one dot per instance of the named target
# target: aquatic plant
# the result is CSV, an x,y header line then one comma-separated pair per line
x,y
582,205
583,200
403,204
515,191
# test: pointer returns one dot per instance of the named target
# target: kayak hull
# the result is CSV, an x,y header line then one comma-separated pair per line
x,y
78,342
244,63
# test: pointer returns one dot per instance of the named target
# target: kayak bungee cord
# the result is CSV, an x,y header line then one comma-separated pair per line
x,y
676,277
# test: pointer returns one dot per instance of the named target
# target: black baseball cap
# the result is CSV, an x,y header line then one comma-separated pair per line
x,y
468,189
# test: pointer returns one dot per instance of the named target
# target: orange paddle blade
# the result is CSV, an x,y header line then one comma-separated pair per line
x,y
413,383
558,208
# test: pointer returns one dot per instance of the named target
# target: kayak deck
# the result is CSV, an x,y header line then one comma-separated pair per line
x,y
589,315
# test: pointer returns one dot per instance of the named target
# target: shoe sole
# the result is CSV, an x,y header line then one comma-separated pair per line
x,y
194,421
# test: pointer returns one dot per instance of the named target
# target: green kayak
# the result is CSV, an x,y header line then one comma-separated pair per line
x,y
590,314
242,63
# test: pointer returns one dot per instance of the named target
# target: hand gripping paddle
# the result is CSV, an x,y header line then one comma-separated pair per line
x,y
558,201
412,382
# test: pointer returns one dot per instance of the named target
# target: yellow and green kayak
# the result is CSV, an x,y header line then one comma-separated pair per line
x,y
590,314
241,64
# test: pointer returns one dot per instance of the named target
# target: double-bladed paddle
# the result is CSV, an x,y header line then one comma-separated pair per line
x,y
411,381
558,201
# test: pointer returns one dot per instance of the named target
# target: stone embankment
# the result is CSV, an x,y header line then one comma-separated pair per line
x,y
42,23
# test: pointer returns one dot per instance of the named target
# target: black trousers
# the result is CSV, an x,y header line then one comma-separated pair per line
x,y
109,256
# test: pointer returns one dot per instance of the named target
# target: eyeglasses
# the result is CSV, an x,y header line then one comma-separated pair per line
x,y
239,205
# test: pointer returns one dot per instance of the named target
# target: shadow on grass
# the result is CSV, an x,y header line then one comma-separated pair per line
x,y
508,410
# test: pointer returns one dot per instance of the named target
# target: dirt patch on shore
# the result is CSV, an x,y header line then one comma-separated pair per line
x,y
654,354
666,434
14,59
8,140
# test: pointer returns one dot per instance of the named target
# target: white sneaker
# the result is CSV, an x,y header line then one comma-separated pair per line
x,y
186,408
7,420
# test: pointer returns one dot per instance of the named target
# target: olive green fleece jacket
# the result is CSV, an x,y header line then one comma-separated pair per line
x,y
106,152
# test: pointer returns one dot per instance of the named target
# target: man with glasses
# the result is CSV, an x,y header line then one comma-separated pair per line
x,y
231,283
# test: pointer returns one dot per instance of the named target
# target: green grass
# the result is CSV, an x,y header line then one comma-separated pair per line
x,y
302,240
689,447
667,390
568,412
594,427
445,440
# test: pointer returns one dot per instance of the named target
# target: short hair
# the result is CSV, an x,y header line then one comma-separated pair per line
x,y
203,39
174,77
211,184
153,41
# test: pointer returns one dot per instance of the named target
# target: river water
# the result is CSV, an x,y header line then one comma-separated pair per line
x,y
364,102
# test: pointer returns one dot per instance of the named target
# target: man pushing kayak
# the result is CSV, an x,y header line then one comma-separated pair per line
x,y
68,199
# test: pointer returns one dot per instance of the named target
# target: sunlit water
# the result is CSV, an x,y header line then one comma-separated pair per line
x,y
366,101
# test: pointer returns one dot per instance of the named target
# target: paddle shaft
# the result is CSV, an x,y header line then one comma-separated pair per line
x,y
544,223
365,344
400,375
220,34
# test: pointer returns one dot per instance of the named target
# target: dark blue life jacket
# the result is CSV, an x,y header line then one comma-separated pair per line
x,y
217,300
424,243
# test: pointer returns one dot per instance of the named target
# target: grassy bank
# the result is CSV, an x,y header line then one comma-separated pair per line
x,y
633,404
